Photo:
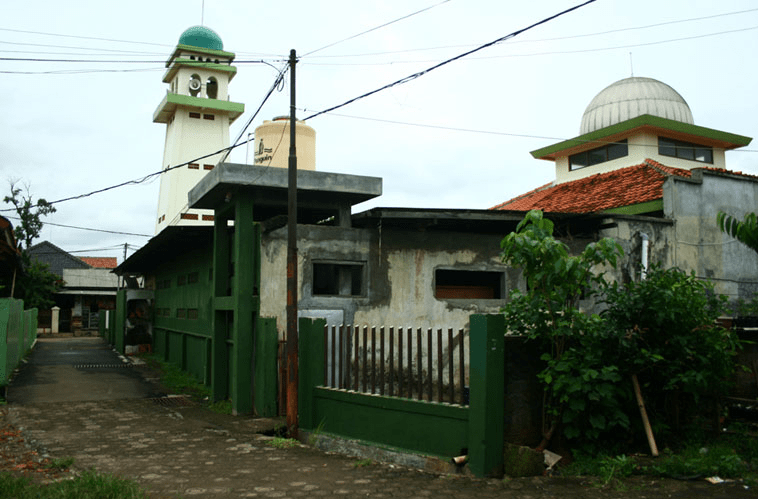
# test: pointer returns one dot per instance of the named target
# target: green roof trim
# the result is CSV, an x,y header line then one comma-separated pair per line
x,y
183,62
637,209
723,139
172,101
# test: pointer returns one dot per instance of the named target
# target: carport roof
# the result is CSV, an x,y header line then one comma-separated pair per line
x,y
319,194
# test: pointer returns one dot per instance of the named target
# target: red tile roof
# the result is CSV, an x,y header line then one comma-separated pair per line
x,y
597,193
105,262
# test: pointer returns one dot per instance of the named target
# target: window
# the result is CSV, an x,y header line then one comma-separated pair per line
x,y
193,166
599,155
338,279
191,313
468,284
195,115
210,117
192,277
181,313
181,280
684,150
211,88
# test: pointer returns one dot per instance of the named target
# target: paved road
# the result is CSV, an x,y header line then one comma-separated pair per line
x,y
74,370
110,419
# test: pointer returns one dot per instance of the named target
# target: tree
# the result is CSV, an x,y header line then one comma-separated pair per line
x,y
29,213
745,231
582,389
37,285
661,330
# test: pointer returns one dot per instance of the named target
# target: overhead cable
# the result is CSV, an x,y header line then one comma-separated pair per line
x,y
453,59
374,28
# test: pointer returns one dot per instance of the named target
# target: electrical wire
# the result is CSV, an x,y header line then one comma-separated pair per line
x,y
89,228
453,59
375,28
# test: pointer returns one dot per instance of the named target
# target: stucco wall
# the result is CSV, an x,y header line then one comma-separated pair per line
x,y
700,245
399,274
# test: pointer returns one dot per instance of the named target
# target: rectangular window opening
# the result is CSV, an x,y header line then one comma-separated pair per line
x,y
209,117
195,115
685,150
599,155
338,279
468,284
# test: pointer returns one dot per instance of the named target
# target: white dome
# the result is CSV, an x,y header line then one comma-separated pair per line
x,y
633,97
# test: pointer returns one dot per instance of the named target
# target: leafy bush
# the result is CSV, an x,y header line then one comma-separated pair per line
x,y
661,329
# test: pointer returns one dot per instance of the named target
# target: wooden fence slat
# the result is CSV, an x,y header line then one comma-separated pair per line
x,y
399,362
462,367
333,348
381,360
429,363
365,357
373,360
439,365
419,365
357,358
347,350
410,363
326,356
450,367
392,362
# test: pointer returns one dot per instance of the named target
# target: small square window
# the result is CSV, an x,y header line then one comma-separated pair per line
x,y
181,313
210,117
194,115
338,279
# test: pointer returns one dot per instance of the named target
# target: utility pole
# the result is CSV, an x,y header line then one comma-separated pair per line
x,y
292,357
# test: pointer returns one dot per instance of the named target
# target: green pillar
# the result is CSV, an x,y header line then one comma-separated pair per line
x,y
221,307
486,394
310,368
245,309
119,324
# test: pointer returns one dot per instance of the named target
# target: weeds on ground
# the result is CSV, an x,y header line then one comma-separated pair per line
x,y
361,463
89,485
727,456
284,443
175,380
62,463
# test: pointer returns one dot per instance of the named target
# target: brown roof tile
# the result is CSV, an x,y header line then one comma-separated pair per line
x,y
626,186
106,262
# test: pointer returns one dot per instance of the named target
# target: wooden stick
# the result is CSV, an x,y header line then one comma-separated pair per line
x,y
645,420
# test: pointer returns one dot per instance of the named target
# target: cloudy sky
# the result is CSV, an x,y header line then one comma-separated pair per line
x,y
457,137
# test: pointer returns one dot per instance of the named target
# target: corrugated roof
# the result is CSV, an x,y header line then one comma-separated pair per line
x,y
623,187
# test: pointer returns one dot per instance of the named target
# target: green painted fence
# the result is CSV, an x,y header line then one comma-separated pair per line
x,y
18,332
421,427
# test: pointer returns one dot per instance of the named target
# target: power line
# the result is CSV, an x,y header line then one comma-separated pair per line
x,y
559,38
88,228
375,28
84,37
448,61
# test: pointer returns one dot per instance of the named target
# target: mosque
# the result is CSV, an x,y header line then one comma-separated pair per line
x,y
640,172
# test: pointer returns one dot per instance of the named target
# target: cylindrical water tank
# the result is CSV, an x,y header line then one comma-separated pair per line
x,y
272,144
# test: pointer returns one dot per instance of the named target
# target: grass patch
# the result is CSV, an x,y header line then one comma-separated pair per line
x,y
62,463
89,485
732,456
362,463
284,443
175,380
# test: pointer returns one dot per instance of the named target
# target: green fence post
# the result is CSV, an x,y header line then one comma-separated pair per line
x,y
310,368
486,394
5,367
265,380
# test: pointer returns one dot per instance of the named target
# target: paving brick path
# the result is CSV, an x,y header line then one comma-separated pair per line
x,y
177,450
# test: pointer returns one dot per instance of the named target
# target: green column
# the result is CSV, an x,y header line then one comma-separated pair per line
x,y
245,311
486,394
219,349
310,368
119,323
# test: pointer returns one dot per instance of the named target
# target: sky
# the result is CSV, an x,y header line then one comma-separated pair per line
x,y
457,137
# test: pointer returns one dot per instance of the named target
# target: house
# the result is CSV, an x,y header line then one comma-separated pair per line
x,y
658,180
89,286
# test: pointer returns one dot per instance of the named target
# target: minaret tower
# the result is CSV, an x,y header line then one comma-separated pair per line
x,y
197,113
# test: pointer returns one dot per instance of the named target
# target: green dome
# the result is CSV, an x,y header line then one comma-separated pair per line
x,y
200,36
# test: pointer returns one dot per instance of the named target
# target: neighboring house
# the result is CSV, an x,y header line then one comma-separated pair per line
x,y
89,286
655,176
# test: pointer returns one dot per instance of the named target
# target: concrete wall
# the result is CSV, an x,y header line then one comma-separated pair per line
x,y
399,278
700,245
